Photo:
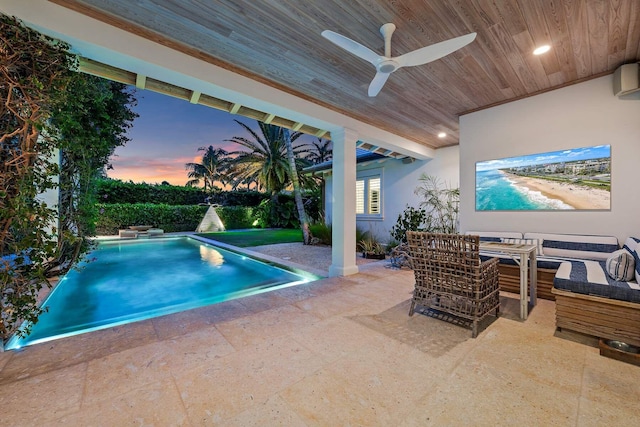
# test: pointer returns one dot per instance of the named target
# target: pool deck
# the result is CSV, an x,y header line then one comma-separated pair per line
x,y
338,351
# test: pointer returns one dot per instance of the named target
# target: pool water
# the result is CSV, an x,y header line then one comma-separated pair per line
x,y
127,281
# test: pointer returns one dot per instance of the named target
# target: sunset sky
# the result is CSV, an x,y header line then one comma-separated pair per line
x,y
167,135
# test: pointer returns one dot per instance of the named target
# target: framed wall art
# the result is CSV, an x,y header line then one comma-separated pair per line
x,y
572,179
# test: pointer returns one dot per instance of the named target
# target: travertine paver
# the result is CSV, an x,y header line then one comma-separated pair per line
x,y
340,351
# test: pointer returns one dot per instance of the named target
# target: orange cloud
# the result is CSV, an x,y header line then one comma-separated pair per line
x,y
150,170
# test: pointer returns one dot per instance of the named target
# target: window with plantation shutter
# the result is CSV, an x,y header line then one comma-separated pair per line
x,y
369,196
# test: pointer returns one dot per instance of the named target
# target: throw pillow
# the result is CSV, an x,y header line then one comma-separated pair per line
x,y
632,244
621,266
537,242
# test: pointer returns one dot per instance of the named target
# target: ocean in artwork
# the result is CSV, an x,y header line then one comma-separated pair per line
x,y
496,192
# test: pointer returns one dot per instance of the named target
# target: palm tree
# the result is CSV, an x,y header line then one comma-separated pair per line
x,y
266,161
293,172
322,152
215,162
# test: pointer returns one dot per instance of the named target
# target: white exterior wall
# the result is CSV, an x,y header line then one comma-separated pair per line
x,y
581,115
399,181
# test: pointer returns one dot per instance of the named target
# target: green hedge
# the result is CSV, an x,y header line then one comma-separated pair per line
x,y
114,191
114,217
170,218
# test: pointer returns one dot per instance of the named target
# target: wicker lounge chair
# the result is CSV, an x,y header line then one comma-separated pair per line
x,y
450,277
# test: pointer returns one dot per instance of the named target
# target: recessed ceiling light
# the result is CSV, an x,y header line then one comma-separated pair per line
x,y
542,49
442,135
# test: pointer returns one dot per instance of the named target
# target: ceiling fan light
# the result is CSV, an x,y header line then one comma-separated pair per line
x,y
442,135
542,49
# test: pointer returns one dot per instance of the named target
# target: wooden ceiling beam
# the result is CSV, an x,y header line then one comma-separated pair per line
x,y
195,97
268,118
141,81
235,108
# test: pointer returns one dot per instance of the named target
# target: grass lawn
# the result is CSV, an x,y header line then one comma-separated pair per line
x,y
256,237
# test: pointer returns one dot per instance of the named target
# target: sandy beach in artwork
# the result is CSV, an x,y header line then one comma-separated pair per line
x,y
576,196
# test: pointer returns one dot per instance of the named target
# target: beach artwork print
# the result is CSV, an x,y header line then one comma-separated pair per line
x,y
578,178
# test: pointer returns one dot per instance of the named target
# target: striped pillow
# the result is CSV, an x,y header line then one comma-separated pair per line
x,y
621,266
537,242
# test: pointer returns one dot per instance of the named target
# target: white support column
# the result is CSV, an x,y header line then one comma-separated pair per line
x,y
343,253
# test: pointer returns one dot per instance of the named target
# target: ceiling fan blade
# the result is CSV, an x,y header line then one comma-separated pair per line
x,y
376,84
351,46
435,51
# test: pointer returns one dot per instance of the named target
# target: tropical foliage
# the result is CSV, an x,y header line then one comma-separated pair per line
x,y
47,107
89,121
280,211
441,204
212,169
438,211
34,70
320,151
265,158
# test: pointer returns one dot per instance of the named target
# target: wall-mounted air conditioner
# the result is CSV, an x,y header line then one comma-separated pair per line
x,y
626,79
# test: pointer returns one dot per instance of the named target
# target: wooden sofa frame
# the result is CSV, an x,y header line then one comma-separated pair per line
x,y
509,278
598,316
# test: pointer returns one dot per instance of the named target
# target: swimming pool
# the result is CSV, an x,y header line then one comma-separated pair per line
x,y
128,281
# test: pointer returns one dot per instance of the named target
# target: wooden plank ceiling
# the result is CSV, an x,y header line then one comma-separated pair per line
x,y
279,43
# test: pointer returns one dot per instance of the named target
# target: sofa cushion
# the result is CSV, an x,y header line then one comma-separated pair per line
x,y
576,246
621,266
494,236
632,244
590,278
536,242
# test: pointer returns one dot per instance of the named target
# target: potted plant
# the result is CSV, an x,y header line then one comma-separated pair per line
x,y
372,249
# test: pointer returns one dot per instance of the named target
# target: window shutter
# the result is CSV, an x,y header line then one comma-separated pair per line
x,y
374,196
360,196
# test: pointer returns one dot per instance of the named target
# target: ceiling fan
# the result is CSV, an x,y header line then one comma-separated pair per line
x,y
386,64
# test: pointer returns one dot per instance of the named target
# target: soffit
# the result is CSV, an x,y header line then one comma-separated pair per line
x,y
279,43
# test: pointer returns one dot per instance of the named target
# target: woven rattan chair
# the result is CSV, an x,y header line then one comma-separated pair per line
x,y
450,277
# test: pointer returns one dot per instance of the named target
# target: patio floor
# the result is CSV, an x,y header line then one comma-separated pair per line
x,y
339,351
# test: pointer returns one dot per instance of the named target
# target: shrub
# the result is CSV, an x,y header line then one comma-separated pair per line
x,y
321,231
280,211
234,217
238,198
170,218
115,191
411,219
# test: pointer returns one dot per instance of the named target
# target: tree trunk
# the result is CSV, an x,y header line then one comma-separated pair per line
x,y
304,222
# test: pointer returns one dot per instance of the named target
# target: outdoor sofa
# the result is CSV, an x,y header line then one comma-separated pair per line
x,y
594,282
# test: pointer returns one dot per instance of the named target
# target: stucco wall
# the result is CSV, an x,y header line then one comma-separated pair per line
x,y
399,180
581,115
